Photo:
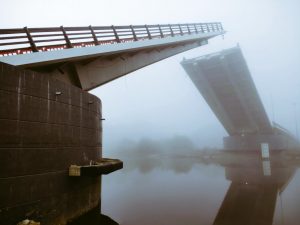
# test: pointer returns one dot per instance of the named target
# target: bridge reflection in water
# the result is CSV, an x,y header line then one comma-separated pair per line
x,y
221,190
251,197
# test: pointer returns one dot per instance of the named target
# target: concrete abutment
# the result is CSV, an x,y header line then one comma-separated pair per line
x,y
45,126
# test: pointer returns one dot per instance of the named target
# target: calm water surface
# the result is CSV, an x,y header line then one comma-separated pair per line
x,y
186,191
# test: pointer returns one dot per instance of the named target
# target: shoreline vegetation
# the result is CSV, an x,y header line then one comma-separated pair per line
x,y
184,161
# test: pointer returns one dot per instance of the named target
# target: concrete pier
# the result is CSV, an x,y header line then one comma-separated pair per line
x,y
45,126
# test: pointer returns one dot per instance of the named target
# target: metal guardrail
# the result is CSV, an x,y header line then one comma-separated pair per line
x,y
28,40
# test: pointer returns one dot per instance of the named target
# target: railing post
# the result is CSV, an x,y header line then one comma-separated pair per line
x,y
201,27
68,42
94,35
196,30
160,31
148,32
208,27
172,33
115,33
181,33
188,27
30,39
133,33
220,27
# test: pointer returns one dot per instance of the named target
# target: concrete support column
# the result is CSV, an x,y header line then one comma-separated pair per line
x,y
45,126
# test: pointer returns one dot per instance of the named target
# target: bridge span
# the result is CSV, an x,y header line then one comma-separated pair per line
x,y
88,57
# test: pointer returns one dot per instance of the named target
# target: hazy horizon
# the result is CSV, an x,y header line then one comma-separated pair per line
x,y
159,101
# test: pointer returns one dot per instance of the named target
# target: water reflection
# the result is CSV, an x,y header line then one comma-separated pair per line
x,y
204,188
94,217
252,195
211,187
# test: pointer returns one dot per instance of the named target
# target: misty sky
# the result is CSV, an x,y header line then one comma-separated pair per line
x,y
159,101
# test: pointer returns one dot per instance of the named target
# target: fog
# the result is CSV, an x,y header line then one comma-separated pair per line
x,y
159,102
178,154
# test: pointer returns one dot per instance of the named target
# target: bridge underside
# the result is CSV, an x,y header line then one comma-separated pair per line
x,y
225,82
91,73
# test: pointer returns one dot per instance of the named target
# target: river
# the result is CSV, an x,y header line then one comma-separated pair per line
x,y
211,189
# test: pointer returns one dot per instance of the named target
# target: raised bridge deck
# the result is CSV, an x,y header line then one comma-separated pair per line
x,y
225,82
91,56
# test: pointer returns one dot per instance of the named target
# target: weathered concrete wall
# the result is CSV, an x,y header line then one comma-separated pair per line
x,y
45,126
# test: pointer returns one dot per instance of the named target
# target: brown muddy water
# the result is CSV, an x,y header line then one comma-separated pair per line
x,y
215,189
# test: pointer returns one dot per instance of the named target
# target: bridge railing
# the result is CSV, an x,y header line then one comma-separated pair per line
x,y
28,40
